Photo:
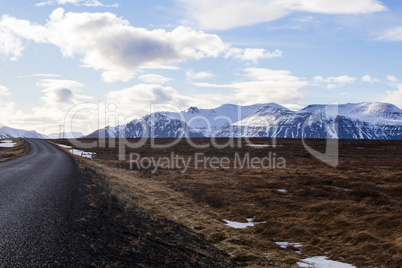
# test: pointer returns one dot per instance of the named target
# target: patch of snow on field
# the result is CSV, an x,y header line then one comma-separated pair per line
x,y
241,225
323,262
64,146
286,244
263,145
259,145
282,190
84,154
78,152
7,144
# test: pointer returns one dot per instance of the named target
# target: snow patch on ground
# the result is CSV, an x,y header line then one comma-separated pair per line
x,y
242,225
7,144
323,262
286,244
77,152
282,190
64,146
263,145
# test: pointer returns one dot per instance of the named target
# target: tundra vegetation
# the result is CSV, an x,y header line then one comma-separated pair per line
x,y
350,213
20,148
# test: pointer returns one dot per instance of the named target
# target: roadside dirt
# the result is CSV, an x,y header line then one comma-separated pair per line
x,y
121,236
19,149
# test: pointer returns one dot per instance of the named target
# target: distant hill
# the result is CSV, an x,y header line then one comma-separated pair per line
x,y
71,135
8,132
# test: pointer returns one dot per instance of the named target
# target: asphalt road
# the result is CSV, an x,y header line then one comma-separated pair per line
x,y
53,214
39,202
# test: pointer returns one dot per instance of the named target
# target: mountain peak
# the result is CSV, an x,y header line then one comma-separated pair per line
x,y
377,107
193,110
275,105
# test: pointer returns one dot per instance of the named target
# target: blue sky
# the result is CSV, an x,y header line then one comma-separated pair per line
x,y
55,54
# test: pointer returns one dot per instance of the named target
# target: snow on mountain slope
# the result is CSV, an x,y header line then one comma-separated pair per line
x,y
375,113
210,120
8,132
156,125
346,121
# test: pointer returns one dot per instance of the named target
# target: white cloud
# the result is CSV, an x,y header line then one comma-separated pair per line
x,y
154,79
87,3
109,44
4,91
333,82
146,93
198,76
393,34
60,92
136,101
58,97
369,79
222,15
262,85
12,31
265,85
10,45
392,78
269,86
7,113
252,54
40,75
336,7
395,97
306,19
23,29
294,106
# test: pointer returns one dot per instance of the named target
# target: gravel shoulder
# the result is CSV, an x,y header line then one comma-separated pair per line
x,y
127,237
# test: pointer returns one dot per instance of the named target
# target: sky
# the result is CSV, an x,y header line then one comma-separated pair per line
x,y
121,59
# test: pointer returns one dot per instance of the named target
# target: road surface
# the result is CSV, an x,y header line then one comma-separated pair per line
x,y
39,202
52,214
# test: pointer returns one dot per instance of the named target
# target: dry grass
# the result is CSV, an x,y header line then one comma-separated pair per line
x,y
350,213
19,149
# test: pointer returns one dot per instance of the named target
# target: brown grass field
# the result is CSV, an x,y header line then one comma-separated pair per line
x,y
350,213
20,149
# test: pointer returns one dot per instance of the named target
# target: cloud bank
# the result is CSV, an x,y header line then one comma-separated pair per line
x,y
223,15
109,44
87,3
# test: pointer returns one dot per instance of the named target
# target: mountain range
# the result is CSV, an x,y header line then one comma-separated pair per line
x,y
346,121
8,133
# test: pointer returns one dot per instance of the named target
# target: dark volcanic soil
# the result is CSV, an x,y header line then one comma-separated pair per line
x,y
133,238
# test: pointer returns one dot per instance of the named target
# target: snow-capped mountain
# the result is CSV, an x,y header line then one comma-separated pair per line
x,y
208,121
8,132
156,125
376,113
346,121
